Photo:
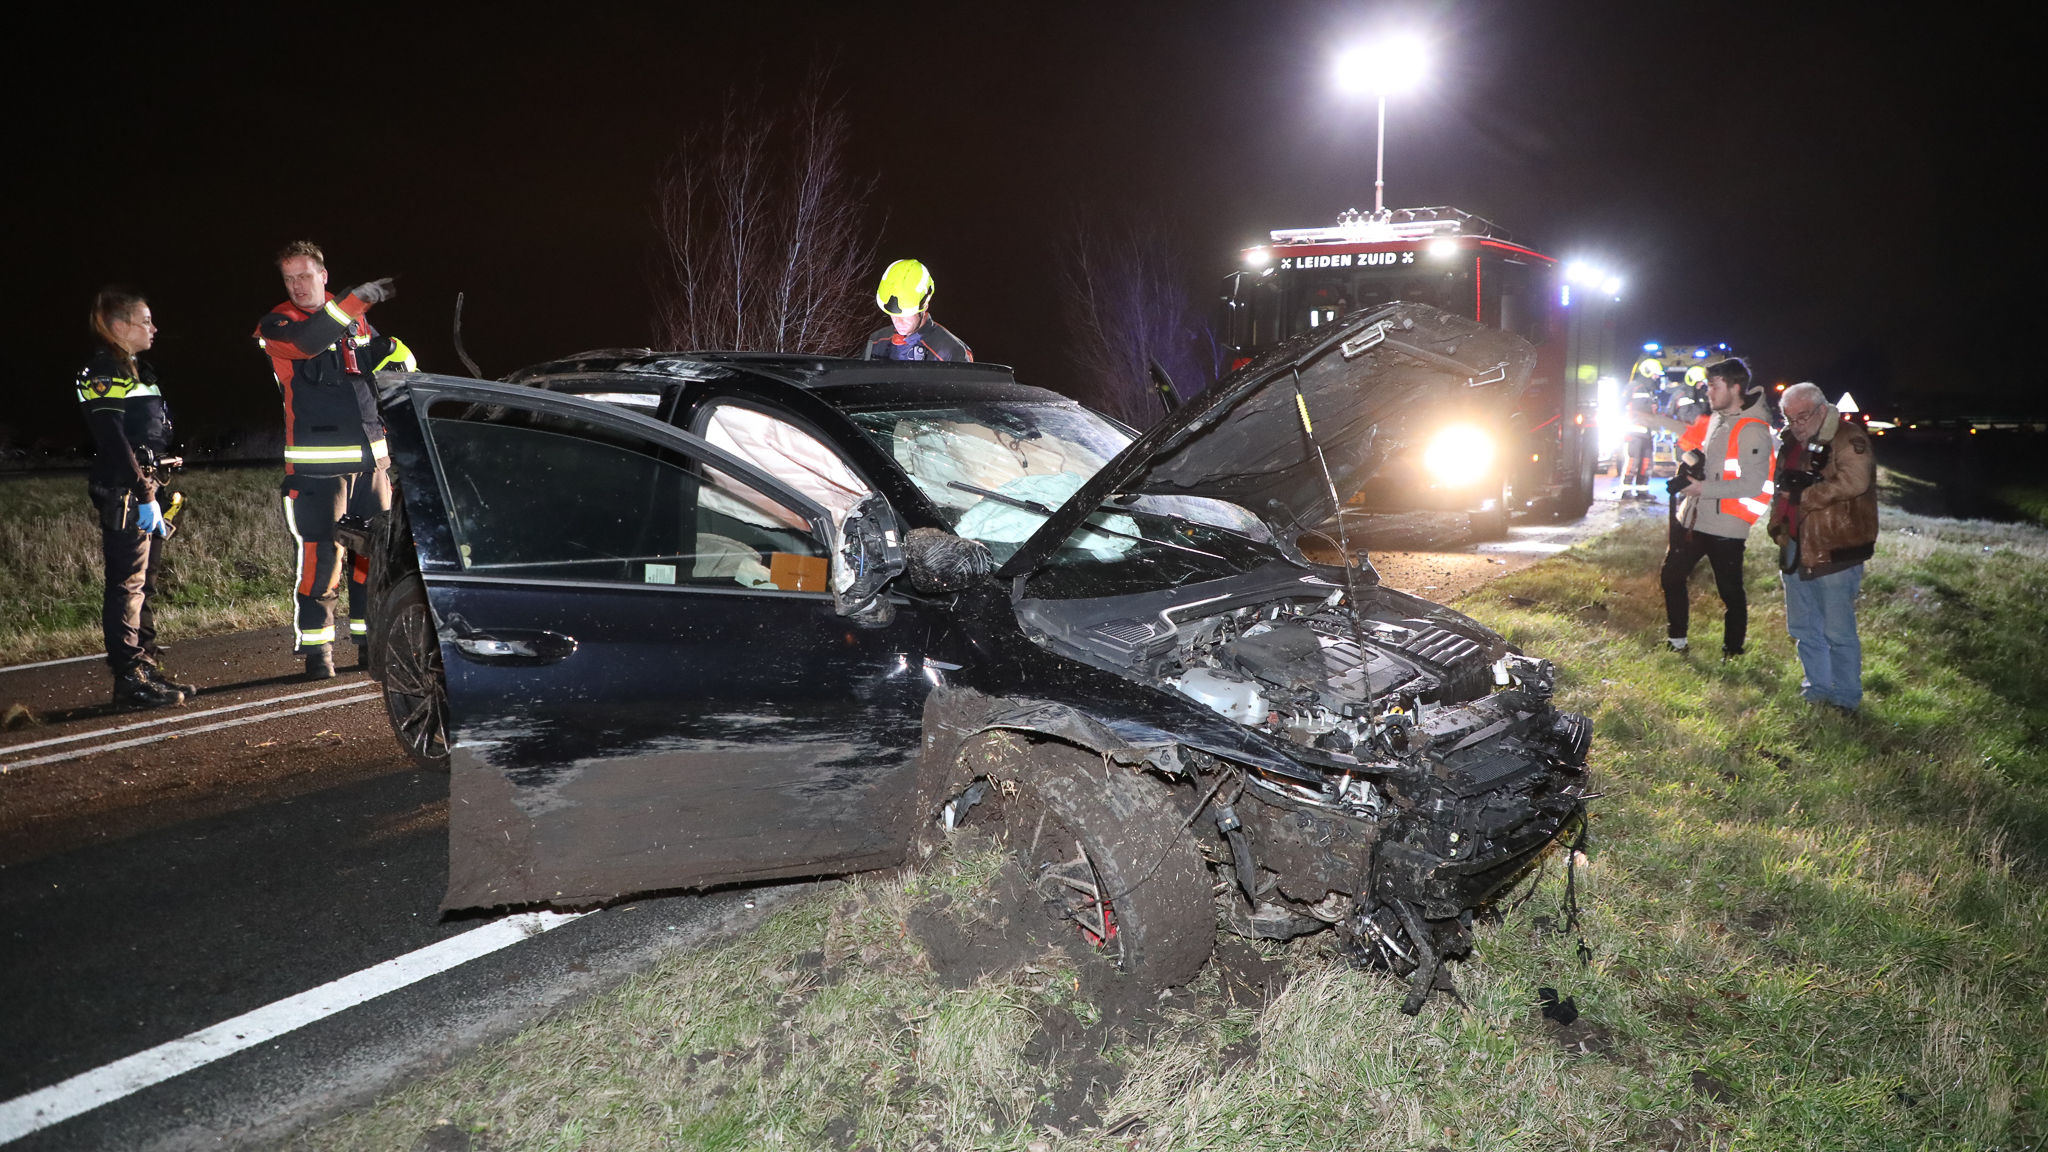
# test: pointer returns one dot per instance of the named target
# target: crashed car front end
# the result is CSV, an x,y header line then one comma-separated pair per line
x,y
1397,766
1415,766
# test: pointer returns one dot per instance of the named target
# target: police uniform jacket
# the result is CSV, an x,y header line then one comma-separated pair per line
x,y
323,360
124,411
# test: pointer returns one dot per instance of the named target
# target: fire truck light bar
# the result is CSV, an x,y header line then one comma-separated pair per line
x,y
1397,224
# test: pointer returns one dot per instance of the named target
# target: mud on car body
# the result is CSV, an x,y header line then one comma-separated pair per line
x,y
674,620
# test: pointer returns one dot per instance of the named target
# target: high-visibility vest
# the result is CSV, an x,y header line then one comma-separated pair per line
x,y
1695,437
1745,508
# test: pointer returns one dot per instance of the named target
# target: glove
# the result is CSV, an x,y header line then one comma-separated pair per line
x,y
149,517
375,291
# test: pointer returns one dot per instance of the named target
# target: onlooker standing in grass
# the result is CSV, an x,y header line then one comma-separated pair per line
x,y
1825,522
1716,513
131,434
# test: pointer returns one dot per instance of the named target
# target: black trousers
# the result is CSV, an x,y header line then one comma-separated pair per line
x,y
312,504
1725,554
130,558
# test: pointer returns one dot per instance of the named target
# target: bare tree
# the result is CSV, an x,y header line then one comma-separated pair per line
x,y
764,238
1129,304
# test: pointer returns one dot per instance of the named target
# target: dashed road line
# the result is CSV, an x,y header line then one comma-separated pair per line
x,y
175,718
79,753
88,1090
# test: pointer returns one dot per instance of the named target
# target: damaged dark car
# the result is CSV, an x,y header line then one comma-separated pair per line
x,y
686,619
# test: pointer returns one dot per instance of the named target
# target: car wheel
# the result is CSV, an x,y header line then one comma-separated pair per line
x,y
1492,525
415,692
1103,847
1578,499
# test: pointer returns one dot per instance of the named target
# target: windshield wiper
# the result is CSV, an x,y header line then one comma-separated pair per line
x,y
1027,505
1037,509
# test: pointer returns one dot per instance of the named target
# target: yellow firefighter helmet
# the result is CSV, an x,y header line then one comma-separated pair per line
x,y
905,289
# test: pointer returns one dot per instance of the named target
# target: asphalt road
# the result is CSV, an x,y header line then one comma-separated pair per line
x,y
158,889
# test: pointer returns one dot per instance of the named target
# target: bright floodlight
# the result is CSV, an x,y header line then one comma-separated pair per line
x,y
1611,285
1385,68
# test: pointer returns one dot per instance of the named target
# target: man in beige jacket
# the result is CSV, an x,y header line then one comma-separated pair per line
x,y
1716,512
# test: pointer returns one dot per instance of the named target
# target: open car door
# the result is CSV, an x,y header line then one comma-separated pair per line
x,y
648,683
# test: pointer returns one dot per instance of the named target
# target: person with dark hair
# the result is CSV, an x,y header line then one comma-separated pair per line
x,y
322,351
131,436
1716,511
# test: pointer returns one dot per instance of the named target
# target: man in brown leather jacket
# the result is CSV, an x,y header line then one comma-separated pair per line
x,y
1824,518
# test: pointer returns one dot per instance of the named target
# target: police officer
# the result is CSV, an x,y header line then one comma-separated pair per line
x,y
131,436
905,293
322,350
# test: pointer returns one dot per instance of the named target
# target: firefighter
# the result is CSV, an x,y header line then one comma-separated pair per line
x,y
905,293
131,436
1717,510
1638,444
322,350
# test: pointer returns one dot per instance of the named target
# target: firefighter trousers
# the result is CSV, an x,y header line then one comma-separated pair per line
x,y
312,504
130,558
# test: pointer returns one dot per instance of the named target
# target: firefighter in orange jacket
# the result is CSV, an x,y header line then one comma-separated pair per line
x,y
1716,512
322,350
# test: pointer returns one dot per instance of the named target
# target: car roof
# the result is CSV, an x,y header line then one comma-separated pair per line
x,y
840,381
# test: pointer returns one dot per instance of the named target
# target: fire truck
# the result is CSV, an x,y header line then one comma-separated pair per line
x,y
1531,451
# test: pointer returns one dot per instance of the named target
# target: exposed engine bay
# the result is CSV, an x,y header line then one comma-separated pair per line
x,y
1429,768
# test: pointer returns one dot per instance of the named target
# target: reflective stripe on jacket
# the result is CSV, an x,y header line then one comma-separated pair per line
x,y
1732,498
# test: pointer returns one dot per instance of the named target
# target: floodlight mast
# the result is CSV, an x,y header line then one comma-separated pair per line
x,y
1387,67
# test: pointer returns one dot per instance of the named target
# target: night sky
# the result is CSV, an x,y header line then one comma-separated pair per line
x,y
1834,192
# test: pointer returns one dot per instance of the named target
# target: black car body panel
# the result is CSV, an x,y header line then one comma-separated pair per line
x,y
656,677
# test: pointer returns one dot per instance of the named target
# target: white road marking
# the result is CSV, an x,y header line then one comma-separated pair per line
x,y
175,718
88,1090
1524,546
140,740
53,663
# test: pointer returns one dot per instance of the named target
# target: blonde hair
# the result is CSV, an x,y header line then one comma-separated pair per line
x,y
304,248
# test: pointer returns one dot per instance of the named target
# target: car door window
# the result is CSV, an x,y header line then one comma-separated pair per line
x,y
788,453
538,495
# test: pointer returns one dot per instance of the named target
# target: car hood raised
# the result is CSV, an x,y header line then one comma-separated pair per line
x,y
1371,385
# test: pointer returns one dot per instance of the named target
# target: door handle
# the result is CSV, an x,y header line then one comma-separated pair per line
x,y
516,647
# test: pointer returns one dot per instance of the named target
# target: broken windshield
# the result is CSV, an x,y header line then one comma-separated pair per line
x,y
996,469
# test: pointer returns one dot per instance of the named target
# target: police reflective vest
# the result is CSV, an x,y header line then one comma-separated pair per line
x,y
125,410
1744,508
322,360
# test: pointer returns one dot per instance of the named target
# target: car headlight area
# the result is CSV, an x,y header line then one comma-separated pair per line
x,y
1459,455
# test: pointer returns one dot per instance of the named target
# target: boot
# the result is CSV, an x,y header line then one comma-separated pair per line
x,y
156,672
133,689
362,656
320,662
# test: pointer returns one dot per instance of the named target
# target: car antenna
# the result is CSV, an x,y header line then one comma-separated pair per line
x,y
459,351
1308,429
1164,383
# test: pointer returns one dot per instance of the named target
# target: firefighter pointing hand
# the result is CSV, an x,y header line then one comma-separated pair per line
x,y
322,350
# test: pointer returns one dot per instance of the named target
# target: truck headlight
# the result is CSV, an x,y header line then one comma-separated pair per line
x,y
1458,455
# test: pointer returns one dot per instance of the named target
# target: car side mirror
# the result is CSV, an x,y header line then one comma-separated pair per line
x,y
868,556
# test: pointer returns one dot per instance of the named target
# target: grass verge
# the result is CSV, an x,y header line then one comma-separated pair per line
x,y
1801,930
229,568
